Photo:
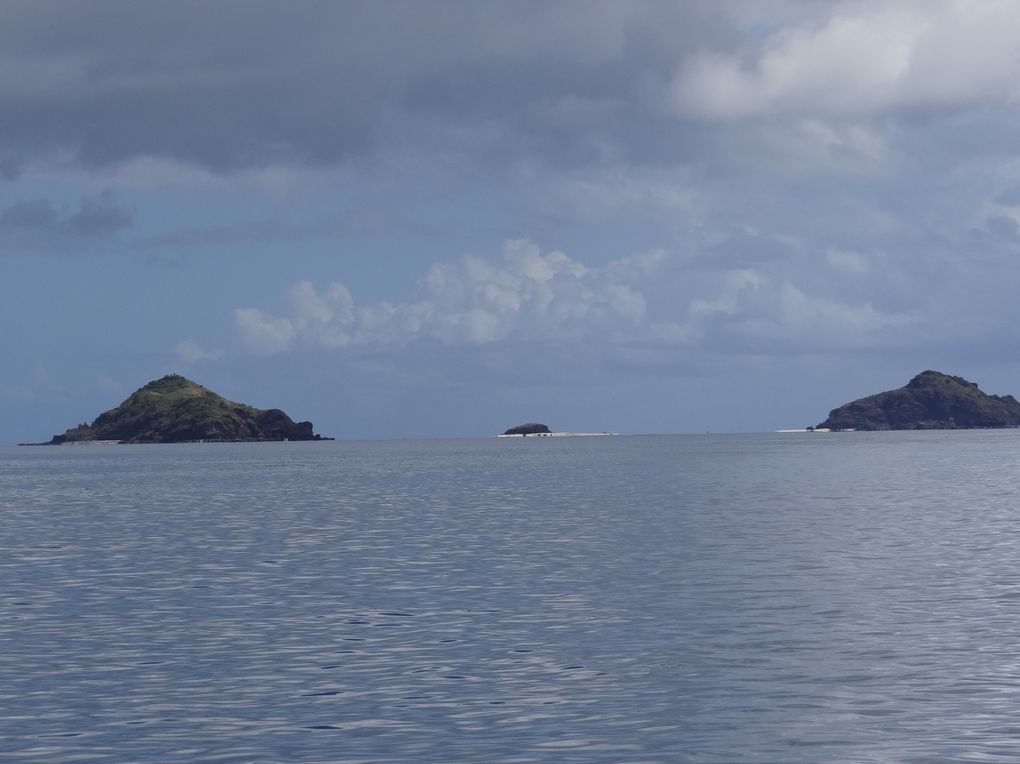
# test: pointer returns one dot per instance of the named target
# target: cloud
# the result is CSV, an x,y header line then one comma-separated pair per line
x,y
800,318
531,87
264,334
98,216
524,295
620,192
527,298
188,351
646,100
864,59
36,214
325,83
93,217
853,263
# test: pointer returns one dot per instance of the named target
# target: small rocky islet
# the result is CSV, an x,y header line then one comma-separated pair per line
x,y
173,409
529,428
930,401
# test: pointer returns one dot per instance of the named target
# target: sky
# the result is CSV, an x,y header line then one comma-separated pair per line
x,y
403,219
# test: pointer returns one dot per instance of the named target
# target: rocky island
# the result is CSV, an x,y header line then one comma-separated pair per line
x,y
529,428
176,410
534,429
930,401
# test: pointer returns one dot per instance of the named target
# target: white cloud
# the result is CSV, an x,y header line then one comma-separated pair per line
x,y
778,311
189,351
727,299
526,296
864,59
806,314
262,333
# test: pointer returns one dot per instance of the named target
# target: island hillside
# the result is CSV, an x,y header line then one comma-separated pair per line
x,y
529,428
930,401
176,410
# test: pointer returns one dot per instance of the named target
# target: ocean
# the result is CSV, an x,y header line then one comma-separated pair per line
x,y
767,598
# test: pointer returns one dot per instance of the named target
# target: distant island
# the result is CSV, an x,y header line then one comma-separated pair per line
x,y
174,409
534,429
930,401
529,428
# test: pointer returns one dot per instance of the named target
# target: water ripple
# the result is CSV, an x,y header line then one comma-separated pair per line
x,y
644,600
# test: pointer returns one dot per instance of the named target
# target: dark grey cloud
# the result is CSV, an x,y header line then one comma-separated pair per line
x,y
35,214
98,216
235,84
95,216
554,88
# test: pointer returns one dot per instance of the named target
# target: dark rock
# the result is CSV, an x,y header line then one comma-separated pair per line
x,y
176,410
529,428
930,401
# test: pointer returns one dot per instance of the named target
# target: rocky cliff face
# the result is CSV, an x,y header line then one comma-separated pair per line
x,y
930,401
175,410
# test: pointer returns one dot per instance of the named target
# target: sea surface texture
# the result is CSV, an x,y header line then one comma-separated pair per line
x,y
844,597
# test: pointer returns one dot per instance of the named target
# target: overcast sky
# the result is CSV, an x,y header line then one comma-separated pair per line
x,y
443,218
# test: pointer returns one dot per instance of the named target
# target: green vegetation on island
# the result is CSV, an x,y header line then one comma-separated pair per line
x,y
176,410
930,401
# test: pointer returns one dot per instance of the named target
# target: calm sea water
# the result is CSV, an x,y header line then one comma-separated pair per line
x,y
761,598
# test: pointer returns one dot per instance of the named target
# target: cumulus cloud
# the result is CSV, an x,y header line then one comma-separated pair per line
x,y
801,318
526,296
866,58
262,333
